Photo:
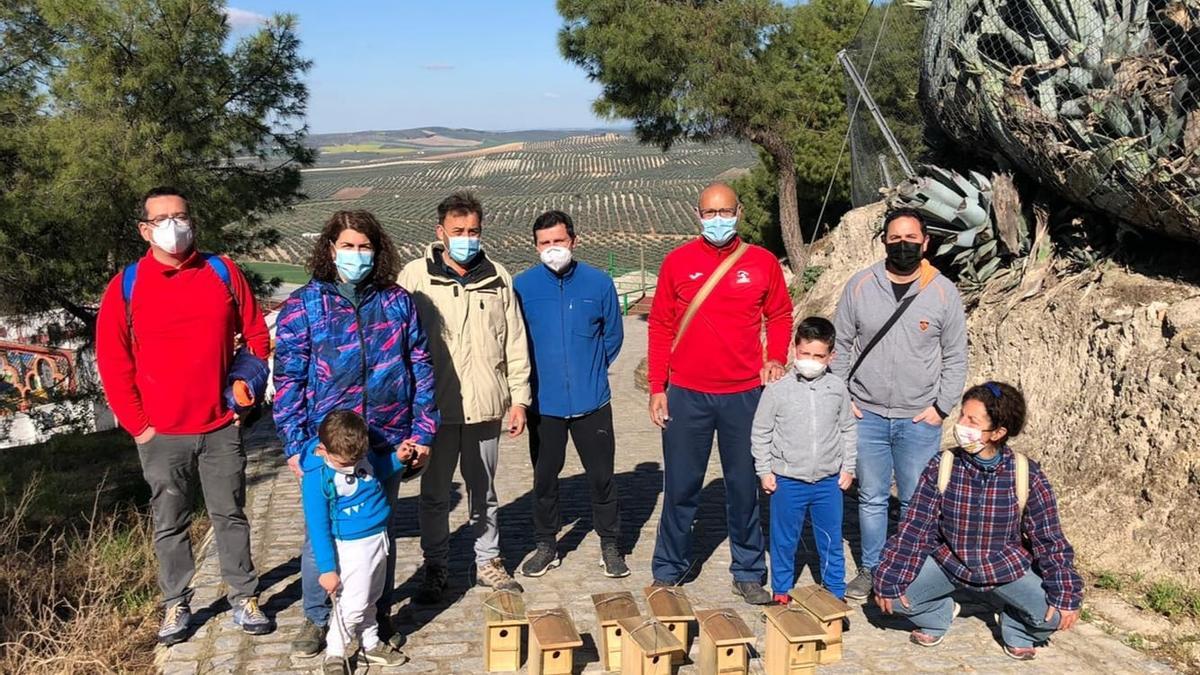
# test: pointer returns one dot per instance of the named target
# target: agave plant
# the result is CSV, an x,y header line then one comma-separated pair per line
x,y
1097,99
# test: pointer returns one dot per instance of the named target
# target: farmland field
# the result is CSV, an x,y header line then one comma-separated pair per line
x,y
627,199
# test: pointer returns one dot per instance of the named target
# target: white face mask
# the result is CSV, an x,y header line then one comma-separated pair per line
x,y
968,438
172,235
556,257
809,369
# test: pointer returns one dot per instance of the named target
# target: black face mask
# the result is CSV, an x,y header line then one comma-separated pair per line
x,y
903,256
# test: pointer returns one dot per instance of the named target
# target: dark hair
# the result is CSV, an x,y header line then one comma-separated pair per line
x,y
551,219
902,212
344,435
387,261
816,328
459,204
1005,405
160,191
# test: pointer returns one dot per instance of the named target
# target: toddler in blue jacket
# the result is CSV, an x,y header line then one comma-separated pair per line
x,y
346,513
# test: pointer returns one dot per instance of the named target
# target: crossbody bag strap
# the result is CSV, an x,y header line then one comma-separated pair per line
x,y
887,326
705,291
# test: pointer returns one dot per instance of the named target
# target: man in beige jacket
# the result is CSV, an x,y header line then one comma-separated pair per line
x,y
481,373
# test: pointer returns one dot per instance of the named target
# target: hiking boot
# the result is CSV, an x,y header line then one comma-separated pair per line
x,y
309,641
751,592
492,574
544,559
385,655
174,626
859,587
925,639
335,665
659,583
251,618
1020,653
433,586
612,561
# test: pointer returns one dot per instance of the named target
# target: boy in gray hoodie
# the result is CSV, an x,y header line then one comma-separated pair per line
x,y
804,444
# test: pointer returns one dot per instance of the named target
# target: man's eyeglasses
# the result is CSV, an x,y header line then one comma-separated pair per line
x,y
159,220
713,213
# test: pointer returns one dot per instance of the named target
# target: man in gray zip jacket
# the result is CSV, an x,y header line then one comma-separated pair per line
x,y
907,383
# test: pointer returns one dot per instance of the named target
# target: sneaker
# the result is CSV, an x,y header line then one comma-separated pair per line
x,y
781,599
612,561
1021,653
492,574
433,586
388,632
859,587
751,592
925,639
544,559
385,655
335,665
309,641
174,626
251,618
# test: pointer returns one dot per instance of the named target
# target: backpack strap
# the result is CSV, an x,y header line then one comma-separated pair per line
x,y
945,468
217,264
1022,480
128,277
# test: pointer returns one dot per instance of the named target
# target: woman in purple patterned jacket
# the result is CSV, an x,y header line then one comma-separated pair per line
x,y
350,339
983,518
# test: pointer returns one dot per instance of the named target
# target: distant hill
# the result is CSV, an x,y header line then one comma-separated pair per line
x,y
366,147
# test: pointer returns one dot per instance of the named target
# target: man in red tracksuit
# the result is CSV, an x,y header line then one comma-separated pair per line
x,y
164,359
708,378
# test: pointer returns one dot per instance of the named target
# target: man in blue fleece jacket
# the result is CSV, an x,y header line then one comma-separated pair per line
x,y
575,333
346,513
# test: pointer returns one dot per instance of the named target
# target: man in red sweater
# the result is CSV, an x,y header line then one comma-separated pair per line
x,y
164,360
706,375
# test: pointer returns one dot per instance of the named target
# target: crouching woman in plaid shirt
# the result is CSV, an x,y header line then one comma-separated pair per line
x,y
973,534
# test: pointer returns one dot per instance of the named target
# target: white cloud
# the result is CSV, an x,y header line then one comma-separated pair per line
x,y
551,94
241,19
438,66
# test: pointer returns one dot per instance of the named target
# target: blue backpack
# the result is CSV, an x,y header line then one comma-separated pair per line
x,y
214,262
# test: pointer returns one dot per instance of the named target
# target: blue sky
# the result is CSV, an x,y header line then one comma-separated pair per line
x,y
410,63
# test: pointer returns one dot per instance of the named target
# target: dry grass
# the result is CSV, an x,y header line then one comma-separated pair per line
x,y
76,598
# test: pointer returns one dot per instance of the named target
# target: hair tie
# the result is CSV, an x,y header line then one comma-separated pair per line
x,y
993,387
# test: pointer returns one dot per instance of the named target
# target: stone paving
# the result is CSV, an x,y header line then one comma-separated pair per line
x,y
448,638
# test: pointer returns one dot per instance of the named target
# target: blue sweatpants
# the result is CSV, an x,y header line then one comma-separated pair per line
x,y
790,502
687,444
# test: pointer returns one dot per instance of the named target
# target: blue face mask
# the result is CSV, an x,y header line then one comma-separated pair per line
x,y
354,266
718,230
463,249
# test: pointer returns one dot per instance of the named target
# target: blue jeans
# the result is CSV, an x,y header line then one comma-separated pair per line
x,y
790,502
1022,623
316,600
885,447
687,444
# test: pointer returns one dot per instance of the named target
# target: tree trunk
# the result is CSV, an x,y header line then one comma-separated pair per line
x,y
789,208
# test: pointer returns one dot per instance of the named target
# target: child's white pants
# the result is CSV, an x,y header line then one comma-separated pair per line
x,y
362,566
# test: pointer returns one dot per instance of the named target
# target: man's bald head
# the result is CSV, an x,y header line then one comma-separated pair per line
x,y
718,196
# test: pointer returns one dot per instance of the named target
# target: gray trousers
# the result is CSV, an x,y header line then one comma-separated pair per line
x,y
479,447
170,464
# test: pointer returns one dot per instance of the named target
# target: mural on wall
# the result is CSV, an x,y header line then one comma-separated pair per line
x,y
31,375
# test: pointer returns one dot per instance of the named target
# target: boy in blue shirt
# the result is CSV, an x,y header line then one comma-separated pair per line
x,y
346,513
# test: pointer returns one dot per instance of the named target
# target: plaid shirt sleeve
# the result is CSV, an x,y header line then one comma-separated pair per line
x,y
905,553
1052,553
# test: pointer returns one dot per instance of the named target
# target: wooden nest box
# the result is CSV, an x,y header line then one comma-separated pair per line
x,y
793,638
552,642
670,605
724,643
610,608
647,647
503,616
830,613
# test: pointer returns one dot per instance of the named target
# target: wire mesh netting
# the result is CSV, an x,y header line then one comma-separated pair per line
x,y
1094,99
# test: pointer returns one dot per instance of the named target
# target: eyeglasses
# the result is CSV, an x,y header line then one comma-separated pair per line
x,y
159,220
713,213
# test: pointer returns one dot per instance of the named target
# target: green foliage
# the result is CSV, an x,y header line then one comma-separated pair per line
x,y
756,70
117,97
284,273
1172,599
1108,581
